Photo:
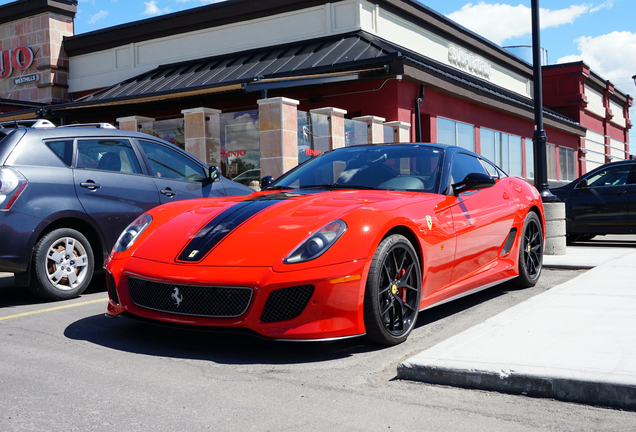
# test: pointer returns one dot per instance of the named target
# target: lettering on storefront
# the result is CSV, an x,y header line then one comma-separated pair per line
x,y
19,59
470,62
26,79
233,153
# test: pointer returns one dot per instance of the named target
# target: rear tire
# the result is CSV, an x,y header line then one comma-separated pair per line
x,y
63,265
393,290
530,252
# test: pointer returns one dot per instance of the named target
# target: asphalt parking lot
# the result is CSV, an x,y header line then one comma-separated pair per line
x,y
66,366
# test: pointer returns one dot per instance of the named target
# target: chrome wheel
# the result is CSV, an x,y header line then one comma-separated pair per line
x,y
62,265
66,264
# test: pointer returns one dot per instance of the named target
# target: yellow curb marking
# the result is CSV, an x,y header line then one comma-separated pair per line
x,y
52,309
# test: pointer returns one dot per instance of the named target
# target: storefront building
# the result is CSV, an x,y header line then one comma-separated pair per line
x,y
262,85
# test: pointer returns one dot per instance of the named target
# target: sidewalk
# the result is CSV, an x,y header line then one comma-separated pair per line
x,y
575,342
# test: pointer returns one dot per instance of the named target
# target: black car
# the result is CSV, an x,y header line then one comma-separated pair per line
x,y
603,201
66,193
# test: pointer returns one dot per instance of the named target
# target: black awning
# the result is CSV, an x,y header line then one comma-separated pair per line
x,y
352,53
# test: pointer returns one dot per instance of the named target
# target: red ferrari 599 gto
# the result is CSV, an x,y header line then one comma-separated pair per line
x,y
356,241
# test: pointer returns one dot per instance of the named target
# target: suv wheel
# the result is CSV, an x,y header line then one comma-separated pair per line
x,y
62,265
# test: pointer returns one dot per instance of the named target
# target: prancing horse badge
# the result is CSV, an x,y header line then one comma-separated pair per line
x,y
429,222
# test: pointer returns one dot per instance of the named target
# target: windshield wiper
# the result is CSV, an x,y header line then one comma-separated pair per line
x,y
279,188
335,186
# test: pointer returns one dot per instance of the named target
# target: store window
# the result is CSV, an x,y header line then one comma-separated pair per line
x,y
552,166
529,158
567,162
451,132
503,149
240,145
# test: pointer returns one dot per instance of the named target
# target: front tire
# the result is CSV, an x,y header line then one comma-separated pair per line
x,y
393,290
62,265
530,252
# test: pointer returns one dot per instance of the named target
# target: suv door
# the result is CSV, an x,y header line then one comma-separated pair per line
x,y
111,185
176,175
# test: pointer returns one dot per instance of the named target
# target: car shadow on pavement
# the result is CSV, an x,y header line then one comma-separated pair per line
x,y
130,335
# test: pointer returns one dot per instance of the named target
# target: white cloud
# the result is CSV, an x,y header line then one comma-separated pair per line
x,y
98,16
499,22
612,56
153,9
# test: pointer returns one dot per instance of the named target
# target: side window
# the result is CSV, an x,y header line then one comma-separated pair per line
x,y
62,149
464,164
490,169
611,176
168,163
115,155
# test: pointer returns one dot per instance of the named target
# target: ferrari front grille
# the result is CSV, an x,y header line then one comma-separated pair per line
x,y
286,303
193,300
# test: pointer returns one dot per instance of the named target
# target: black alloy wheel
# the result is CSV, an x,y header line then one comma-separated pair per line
x,y
530,251
393,290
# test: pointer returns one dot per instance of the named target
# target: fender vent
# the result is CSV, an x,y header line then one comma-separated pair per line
x,y
286,303
509,241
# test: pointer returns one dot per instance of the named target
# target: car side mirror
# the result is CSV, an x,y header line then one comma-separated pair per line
x,y
582,184
473,181
214,173
266,181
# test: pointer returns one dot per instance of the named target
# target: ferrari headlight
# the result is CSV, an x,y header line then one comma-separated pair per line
x,y
317,243
130,234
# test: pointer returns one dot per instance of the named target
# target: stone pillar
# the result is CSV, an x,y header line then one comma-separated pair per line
x,y
202,134
133,123
554,228
401,131
336,136
375,129
278,128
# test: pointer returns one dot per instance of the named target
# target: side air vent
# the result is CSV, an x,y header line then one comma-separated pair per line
x,y
509,241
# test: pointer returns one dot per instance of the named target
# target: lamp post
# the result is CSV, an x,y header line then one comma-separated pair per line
x,y
539,138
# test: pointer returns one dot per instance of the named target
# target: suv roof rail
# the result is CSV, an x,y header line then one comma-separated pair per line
x,y
96,125
16,124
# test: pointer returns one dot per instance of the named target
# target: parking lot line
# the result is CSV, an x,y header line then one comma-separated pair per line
x,y
52,309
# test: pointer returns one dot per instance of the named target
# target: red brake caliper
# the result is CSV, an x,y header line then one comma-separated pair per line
x,y
403,293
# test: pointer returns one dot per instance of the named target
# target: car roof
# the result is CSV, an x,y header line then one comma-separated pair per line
x,y
72,132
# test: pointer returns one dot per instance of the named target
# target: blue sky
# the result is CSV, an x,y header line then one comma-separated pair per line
x,y
602,33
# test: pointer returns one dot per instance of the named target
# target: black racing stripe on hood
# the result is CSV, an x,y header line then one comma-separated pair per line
x,y
227,221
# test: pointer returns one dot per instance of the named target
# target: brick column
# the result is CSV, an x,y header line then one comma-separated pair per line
x,y
202,131
375,128
336,136
278,126
401,131
133,123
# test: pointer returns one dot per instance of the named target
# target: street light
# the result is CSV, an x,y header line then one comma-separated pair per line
x,y
539,138
634,78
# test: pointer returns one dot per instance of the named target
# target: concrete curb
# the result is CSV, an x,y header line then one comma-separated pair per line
x,y
609,394
574,342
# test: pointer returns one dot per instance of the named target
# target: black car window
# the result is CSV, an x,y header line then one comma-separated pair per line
x,y
62,149
610,176
108,155
464,164
168,163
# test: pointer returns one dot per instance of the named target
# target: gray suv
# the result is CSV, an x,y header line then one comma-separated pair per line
x,y
66,193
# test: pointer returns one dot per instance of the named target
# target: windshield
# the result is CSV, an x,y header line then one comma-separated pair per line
x,y
383,167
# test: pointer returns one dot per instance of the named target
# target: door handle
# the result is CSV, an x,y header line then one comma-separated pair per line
x,y
90,185
620,192
168,192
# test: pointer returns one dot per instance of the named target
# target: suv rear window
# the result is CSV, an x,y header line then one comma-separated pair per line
x,y
63,150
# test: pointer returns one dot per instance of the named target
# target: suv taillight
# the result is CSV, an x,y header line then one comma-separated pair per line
x,y
12,183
